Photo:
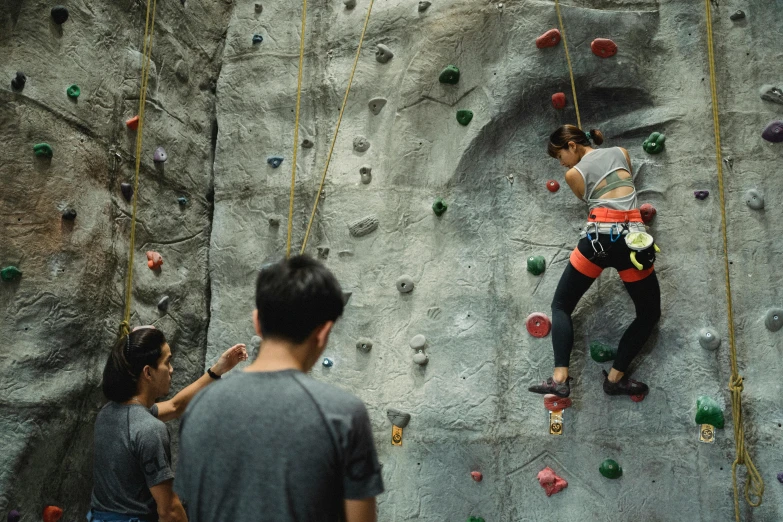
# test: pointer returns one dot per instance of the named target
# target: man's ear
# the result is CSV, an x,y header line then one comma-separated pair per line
x,y
322,334
256,322
146,372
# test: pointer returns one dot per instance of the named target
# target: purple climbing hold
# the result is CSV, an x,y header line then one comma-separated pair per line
x,y
14,516
701,194
17,83
274,161
159,156
780,478
127,191
773,132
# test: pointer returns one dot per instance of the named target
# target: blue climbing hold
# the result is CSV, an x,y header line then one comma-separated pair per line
x,y
182,200
257,38
328,363
274,161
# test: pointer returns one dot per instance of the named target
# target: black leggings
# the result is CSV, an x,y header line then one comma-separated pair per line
x,y
646,296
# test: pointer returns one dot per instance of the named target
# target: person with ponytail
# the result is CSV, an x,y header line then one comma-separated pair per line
x,y
132,471
603,179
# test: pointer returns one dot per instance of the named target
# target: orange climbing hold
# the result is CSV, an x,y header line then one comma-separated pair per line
x,y
603,47
52,514
550,481
558,100
154,260
554,403
549,39
477,476
133,123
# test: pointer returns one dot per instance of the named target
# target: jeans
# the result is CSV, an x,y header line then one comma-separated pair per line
x,y
105,516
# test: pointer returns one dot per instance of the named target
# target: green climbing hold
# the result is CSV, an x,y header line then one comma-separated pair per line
x,y
475,519
464,116
10,273
708,412
73,91
601,352
449,75
439,207
43,150
610,469
536,265
654,144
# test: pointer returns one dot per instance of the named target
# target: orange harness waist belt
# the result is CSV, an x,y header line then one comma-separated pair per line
x,y
609,215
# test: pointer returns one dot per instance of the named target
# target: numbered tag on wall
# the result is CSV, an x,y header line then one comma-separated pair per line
x,y
556,422
396,436
707,433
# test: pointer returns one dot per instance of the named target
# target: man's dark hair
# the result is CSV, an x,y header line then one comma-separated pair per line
x,y
130,354
294,296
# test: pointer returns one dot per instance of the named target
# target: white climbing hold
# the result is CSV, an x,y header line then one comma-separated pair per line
x,y
404,284
361,144
383,54
418,342
420,358
362,227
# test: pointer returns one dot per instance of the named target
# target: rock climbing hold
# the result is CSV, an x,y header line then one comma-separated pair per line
x,y
708,412
439,207
420,358
424,5
52,514
383,54
132,123
771,93
257,39
307,144
363,226
603,47
59,14
549,39
364,345
475,519
274,161
274,222
464,116
780,478
182,200
552,185
404,284
477,476
259,8
163,304
73,91
10,273
773,132
701,194
610,469
154,260
14,516
127,191
536,265
18,81
327,362
554,403
361,144
654,144
550,481
365,171
323,252
346,297
774,319
43,150
648,212
449,75
159,156
737,15
709,339
538,324
349,4
376,105
601,352
418,342
69,214
398,418
754,199
559,100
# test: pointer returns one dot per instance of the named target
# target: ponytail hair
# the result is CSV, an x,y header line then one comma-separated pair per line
x,y
560,138
128,357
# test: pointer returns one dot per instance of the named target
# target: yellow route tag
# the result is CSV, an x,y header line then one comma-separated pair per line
x,y
556,422
707,433
396,436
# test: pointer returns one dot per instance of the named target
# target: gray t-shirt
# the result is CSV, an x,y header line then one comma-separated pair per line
x,y
275,447
132,454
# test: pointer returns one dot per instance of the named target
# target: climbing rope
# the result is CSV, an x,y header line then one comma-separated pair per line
x,y
149,28
296,130
568,59
754,484
337,129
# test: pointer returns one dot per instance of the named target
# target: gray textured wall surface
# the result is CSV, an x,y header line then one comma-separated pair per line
x,y
221,105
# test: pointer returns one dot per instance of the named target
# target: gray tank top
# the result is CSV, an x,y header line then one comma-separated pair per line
x,y
596,166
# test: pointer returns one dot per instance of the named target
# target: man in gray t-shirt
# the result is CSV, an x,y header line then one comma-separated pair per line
x,y
271,444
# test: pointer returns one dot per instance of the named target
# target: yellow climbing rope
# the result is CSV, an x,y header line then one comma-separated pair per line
x,y
149,28
568,59
337,129
754,484
296,130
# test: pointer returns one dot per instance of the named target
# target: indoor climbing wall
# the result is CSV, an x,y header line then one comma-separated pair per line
x,y
441,215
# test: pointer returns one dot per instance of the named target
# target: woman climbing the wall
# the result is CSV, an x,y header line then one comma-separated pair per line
x,y
132,470
602,178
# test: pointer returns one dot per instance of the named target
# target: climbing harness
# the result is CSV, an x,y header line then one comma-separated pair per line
x,y
754,484
617,224
568,59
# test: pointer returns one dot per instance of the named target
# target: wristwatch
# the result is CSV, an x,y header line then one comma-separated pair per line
x,y
212,374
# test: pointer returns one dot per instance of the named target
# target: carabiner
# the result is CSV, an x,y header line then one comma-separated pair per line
x,y
612,237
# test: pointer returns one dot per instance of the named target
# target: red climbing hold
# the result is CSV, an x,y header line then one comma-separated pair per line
x,y
538,324
550,481
133,123
154,260
648,212
554,403
52,514
549,39
477,476
603,47
558,100
552,185
638,398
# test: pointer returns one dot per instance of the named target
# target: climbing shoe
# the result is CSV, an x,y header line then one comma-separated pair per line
x,y
561,389
624,386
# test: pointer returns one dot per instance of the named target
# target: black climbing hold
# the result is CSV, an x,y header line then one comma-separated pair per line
x,y
376,105
163,304
274,222
274,161
182,200
259,8
14,516
366,174
127,191
307,144
449,75
364,345
398,418
737,15
69,214
323,252
349,4
17,83
257,38
424,5
383,54
771,93
59,14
